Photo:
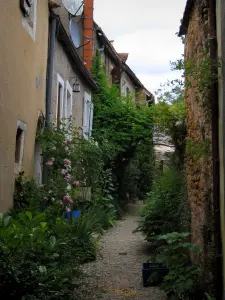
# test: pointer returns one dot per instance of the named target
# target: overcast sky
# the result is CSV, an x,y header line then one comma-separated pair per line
x,y
146,30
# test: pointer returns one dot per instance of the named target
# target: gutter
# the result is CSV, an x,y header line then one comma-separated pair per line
x,y
215,151
51,48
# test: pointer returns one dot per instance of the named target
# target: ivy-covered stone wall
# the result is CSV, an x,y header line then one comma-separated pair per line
x,y
199,158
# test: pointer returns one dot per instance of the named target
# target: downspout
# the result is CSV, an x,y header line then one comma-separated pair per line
x,y
52,35
215,150
53,19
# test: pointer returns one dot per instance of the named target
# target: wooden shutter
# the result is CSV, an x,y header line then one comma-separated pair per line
x,y
91,118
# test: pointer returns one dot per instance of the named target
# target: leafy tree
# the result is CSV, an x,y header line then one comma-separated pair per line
x,y
170,115
120,126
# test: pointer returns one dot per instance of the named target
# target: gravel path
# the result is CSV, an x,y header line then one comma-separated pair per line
x,y
117,273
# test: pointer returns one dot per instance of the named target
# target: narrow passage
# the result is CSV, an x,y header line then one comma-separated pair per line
x,y
117,272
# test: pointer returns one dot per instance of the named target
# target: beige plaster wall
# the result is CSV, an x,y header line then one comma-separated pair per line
x,y
126,82
22,89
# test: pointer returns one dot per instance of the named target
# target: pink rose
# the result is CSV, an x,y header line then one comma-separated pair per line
x,y
67,162
63,172
76,183
45,198
67,199
49,163
67,177
68,142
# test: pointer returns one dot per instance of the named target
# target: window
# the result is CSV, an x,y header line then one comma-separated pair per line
x,y
19,147
38,157
127,91
59,100
68,101
87,115
19,137
29,19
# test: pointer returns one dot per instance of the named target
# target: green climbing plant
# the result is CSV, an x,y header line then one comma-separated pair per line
x,y
120,125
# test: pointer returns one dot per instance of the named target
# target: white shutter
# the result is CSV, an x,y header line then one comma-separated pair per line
x,y
91,119
87,115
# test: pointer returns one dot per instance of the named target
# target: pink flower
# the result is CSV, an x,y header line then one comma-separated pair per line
x,y
67,177
45,198
50,162
76,183
67,162
68,142
53,199
68,209
67,199
63,172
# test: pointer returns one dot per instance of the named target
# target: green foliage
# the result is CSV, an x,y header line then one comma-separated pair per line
x,y
138,177
120,126
200,72
183,277
165,204
198,149
37,260
169,114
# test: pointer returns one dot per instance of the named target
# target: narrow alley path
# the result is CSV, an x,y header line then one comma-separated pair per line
x,y
117,273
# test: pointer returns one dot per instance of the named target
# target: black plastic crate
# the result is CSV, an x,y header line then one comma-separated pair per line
x,y
150,269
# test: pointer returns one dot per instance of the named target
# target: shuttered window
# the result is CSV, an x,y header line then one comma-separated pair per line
x,y
87,116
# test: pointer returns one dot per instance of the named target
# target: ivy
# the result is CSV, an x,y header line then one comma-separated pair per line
x,y
120,126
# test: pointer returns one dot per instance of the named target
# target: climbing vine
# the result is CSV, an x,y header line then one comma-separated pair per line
x,y
120,126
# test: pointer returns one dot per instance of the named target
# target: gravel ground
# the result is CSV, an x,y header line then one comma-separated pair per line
x,y
117,272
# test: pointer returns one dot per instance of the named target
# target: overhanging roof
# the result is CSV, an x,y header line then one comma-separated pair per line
x,y
74,56
133,77
109,47
186,17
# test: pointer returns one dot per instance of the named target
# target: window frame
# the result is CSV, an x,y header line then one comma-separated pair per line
x,y
25,21
88,108
66,107
18,165
60,82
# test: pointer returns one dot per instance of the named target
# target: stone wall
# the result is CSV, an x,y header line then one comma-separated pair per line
x,y
199,169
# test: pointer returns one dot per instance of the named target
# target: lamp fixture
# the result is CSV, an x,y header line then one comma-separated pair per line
x,y
76,84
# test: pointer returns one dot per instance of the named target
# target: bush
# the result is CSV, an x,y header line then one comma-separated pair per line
x,y
36,258
165,204
182,281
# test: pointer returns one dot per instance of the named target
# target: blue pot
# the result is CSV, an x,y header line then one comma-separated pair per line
x,y
72,214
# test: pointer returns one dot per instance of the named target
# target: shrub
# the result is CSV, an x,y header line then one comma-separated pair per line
x,y
165,204
182,281
36,258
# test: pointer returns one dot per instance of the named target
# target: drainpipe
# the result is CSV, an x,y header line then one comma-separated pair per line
x,y
215,151
53,19
52,34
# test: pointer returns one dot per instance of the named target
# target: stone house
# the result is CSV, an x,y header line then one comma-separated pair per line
x,y
72,83
203,164
24,51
